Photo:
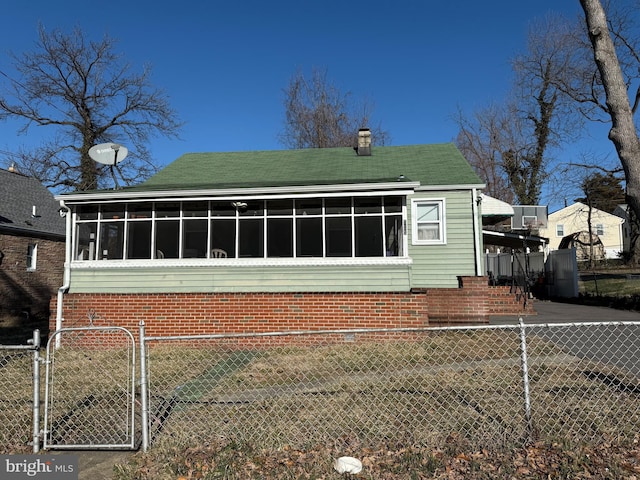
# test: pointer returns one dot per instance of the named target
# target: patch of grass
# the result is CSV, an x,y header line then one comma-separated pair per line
x,y
405,391
17,329
614,289
610,285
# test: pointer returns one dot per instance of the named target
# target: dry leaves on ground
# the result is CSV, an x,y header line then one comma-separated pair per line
x,y
452,461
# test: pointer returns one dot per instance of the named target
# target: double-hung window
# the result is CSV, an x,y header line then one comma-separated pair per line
x,y
428,225
599,229
32,256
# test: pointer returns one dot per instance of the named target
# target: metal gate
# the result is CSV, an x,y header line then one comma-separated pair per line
x,y
90,389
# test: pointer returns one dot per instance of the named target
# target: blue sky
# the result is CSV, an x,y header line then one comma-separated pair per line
x,y
224,65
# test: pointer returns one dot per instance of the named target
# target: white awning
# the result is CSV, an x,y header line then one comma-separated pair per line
x,y
492,207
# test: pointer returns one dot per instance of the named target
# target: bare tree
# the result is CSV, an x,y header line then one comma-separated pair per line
x,y
319,115
508,150
481,140
87,95
622,98
519,135
547,117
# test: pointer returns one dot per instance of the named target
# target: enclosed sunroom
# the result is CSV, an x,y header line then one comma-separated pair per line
x,y
236,228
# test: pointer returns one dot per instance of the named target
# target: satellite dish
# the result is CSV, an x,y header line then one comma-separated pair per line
x,y
108,153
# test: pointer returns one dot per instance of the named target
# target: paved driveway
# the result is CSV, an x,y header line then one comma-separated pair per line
x,y
95,464
618,346
558,312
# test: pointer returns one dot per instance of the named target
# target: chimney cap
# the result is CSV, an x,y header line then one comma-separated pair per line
x,y
364,142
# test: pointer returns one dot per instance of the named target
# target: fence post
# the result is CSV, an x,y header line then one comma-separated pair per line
x,y
36,390
143,389
524,360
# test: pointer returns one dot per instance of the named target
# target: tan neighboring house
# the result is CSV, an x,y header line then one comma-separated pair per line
x,y
622,211
571,224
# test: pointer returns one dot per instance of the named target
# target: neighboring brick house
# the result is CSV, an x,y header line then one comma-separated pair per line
x,y
285,240
32,245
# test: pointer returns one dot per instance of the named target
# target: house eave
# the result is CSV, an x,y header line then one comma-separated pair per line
x,y
467,186
27,232
121,195
513,239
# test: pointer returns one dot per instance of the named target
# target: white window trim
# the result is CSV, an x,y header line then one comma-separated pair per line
x,y
558,226
243,262
32,260
441,203
126,220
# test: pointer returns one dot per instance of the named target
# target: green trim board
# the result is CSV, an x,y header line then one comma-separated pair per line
x,y
364,278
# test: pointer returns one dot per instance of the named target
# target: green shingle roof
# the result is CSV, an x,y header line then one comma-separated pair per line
x,y
436,164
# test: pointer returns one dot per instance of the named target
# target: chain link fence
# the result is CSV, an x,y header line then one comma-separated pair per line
x,y
491,386
584,381
19,395
90,389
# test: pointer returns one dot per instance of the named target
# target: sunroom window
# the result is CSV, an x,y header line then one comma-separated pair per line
x,y
368,226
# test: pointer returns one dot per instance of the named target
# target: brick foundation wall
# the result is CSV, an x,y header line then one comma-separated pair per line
x,y
216,313
219,313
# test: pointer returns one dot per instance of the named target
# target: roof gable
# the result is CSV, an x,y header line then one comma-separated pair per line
x,y
19,195
576,208
431,165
